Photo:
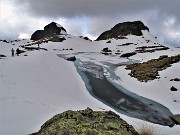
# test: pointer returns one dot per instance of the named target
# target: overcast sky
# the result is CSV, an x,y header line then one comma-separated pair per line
x,y
20,18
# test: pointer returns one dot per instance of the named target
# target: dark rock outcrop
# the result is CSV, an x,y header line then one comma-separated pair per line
x,y
38,34
86,38
86,122
52,29
73,58
49,30
124,29
1,55
127,55
106,50
5,41
175,79
57,39
173,88
151,49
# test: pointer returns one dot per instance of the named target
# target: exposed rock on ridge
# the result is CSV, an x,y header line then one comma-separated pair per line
x,y
124,29
49,30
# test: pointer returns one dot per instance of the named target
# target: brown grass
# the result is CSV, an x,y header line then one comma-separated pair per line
x,y
149,129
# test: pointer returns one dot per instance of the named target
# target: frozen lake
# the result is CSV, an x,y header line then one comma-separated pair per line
x,y
99,82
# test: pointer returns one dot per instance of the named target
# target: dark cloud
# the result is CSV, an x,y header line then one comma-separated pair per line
x,y
70,8
95,16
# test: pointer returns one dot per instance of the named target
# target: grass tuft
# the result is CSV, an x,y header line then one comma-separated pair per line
x,y
149,129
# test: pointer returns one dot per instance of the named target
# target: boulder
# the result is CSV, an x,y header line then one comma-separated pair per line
x,y
173,88
124,29
86,122
86,38
5,41
38,34
126,55
175,79
106,49
108,41
1,55
163,56
73,58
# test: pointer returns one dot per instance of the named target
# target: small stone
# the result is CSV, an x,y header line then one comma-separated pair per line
x,y
173,88
71,58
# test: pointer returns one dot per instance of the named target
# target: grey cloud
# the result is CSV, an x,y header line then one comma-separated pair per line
x,y
104,14
70,8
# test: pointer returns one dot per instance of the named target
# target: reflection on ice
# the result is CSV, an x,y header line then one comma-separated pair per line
x,y
95,70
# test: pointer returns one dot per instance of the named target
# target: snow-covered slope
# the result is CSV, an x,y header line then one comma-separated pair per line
x,y
38,84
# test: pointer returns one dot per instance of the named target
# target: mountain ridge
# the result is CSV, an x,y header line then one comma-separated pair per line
x,y
123,29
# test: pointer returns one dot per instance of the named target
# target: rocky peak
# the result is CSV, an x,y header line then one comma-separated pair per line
x,y
49,30
124,29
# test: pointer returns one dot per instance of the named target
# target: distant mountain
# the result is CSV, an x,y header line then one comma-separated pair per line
x,y
124,29
49,30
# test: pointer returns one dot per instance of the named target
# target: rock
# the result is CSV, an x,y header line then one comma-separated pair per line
x,y
1,55
145,49
71,58
105,53
39,34
108,41
106,50
173,88
175,79
57,39
21,51
86,122
163,56
33,48
176,118
124,29
49,30
86,38
53,29
5,41
126,55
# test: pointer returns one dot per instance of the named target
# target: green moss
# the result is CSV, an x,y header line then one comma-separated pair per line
x,y
86,122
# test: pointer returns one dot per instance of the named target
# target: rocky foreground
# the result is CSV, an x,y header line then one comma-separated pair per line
x,y
86,122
